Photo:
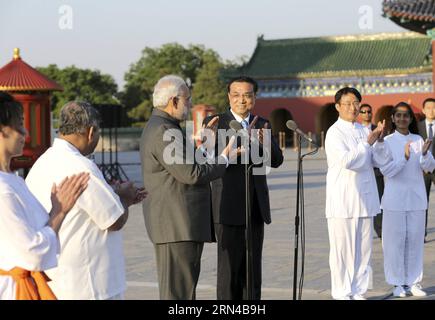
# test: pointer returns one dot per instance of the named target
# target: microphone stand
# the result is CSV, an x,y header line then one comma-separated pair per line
x,y
248,236
248,219
299,207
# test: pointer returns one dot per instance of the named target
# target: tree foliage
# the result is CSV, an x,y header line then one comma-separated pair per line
x,y
200,67
80,84
209,87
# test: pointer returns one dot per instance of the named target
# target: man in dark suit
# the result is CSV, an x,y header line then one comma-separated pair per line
x,y
426,129
366,114
178,208
229,199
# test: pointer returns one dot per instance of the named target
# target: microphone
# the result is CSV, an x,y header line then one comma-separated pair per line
x,y
235,125
294,127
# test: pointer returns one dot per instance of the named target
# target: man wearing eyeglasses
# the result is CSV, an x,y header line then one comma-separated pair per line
x,y
229,211
351,196
178,211
366,114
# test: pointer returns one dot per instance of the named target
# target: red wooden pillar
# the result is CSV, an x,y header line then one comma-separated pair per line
x,y
47,122
26,112
433,65
199,113
39,129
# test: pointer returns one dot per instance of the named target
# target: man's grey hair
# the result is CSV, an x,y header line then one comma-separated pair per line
x,y
77,116
166,88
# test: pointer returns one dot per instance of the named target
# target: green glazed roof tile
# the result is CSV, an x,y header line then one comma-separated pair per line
x,y
392,53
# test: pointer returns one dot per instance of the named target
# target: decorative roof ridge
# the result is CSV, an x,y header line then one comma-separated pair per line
x,y
420,10
347,38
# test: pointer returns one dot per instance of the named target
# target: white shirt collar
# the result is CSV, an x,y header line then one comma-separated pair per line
x,y
346,124
239,118
401,135
61,143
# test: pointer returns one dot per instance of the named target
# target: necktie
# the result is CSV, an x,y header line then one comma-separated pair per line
x,y
430,137
244,124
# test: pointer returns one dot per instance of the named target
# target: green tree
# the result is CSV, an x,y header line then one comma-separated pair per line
x,y
209,87
199,66
80,84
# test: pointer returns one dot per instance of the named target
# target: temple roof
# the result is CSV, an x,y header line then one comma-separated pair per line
x,y
19,76
357,55
415,15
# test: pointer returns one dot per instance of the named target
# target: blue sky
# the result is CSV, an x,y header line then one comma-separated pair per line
x,y
109,35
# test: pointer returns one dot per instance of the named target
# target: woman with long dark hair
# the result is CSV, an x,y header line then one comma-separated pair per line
x,y
404,203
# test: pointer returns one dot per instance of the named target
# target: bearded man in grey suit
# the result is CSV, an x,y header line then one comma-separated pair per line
x,y
178,210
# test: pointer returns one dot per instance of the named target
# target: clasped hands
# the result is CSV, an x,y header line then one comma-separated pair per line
x,y
208,138
128,192
425,148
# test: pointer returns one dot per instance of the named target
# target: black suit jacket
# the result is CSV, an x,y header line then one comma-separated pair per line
x,y
422,129
228,196
423,133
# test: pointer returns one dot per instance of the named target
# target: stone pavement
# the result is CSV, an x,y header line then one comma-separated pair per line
x,y
278,242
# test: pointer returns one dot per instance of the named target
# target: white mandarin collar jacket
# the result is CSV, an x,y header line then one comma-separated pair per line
x,y
351,190
404,183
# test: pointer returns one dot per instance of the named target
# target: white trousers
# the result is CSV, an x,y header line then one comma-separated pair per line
x,y
403,245
350,241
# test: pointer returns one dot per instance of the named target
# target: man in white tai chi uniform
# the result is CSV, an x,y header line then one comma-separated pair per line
x,y
351,196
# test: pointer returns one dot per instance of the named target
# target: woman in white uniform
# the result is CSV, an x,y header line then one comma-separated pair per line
x,y
28,235
404,203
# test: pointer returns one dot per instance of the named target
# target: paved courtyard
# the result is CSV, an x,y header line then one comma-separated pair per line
x,y
278,242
